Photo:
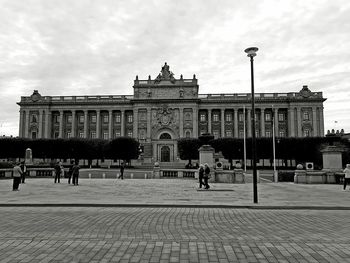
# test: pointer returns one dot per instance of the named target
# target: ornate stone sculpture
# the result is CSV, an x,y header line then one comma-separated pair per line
x,y
165,74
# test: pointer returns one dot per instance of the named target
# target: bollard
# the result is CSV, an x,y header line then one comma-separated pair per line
x,y
145,176
131,176
117,175
104,176
89,176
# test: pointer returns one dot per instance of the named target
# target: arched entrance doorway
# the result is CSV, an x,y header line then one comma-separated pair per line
x,y
165,154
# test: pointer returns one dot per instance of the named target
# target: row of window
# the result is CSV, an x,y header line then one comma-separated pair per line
x,y
268,117
229,133
93,135
203,118
93,118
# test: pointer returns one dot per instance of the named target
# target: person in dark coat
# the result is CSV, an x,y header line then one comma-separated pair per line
x,y
122,167
58,169
24,172
201,175
75,173
206,175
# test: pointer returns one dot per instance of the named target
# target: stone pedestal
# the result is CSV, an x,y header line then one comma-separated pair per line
x,y
156,170
206,155
28,157
332,158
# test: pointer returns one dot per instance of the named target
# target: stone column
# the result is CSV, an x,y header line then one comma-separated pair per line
x,y
73,131
47,123
60,135
249,122
262,122
110,124
40,132
314,122
291,122
98,124
209,120
122,123
195,122
86,132
135,123
21,120
26,125
222,123
275,116
321,122
235,122
299,120
181,122
149,123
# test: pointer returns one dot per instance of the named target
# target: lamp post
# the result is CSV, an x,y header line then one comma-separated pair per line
x,y
251,53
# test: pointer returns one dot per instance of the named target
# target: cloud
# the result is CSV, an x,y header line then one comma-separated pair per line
x,y
98,47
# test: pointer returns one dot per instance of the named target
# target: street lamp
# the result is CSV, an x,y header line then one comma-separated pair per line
x,y
251,51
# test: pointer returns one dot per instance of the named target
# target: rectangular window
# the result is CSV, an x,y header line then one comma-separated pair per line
x,y
306,133
241,134
69,119
105,135
228,133
280,116
282,133
105,118
267,117
306,116
117,118
93,135
215,117
257,133
81,118
69,135
81,134
129,118
93,118
203,132
55,118
240,117
56,134
228,117
267,133
33,135
130,133
34,118
203,117
117,134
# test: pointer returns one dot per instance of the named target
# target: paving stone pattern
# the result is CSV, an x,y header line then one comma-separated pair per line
x,y
122,234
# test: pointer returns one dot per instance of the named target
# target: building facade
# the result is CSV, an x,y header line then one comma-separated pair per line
x,y
163,109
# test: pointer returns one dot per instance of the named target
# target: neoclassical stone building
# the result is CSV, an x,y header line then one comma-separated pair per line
x,y
163,109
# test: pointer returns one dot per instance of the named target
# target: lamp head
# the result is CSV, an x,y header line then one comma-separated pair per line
x,y
251,51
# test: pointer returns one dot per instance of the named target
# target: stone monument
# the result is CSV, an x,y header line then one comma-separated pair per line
x,y
206,153
28,157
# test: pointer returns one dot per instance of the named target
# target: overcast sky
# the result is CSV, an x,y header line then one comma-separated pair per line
x,y
85,47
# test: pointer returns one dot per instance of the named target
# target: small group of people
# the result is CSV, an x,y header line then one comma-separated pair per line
x,y
19,175
73,172
204,175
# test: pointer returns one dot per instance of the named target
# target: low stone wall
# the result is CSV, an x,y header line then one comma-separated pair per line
x,y
315,177
232,177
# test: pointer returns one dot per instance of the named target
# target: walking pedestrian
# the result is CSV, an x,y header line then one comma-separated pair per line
x,y
122,167
201,175
75,173
347,175
58,170
206,175
70,171
24,172
17,173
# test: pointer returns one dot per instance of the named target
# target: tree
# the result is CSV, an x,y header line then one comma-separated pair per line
x,y
188,148
122,148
